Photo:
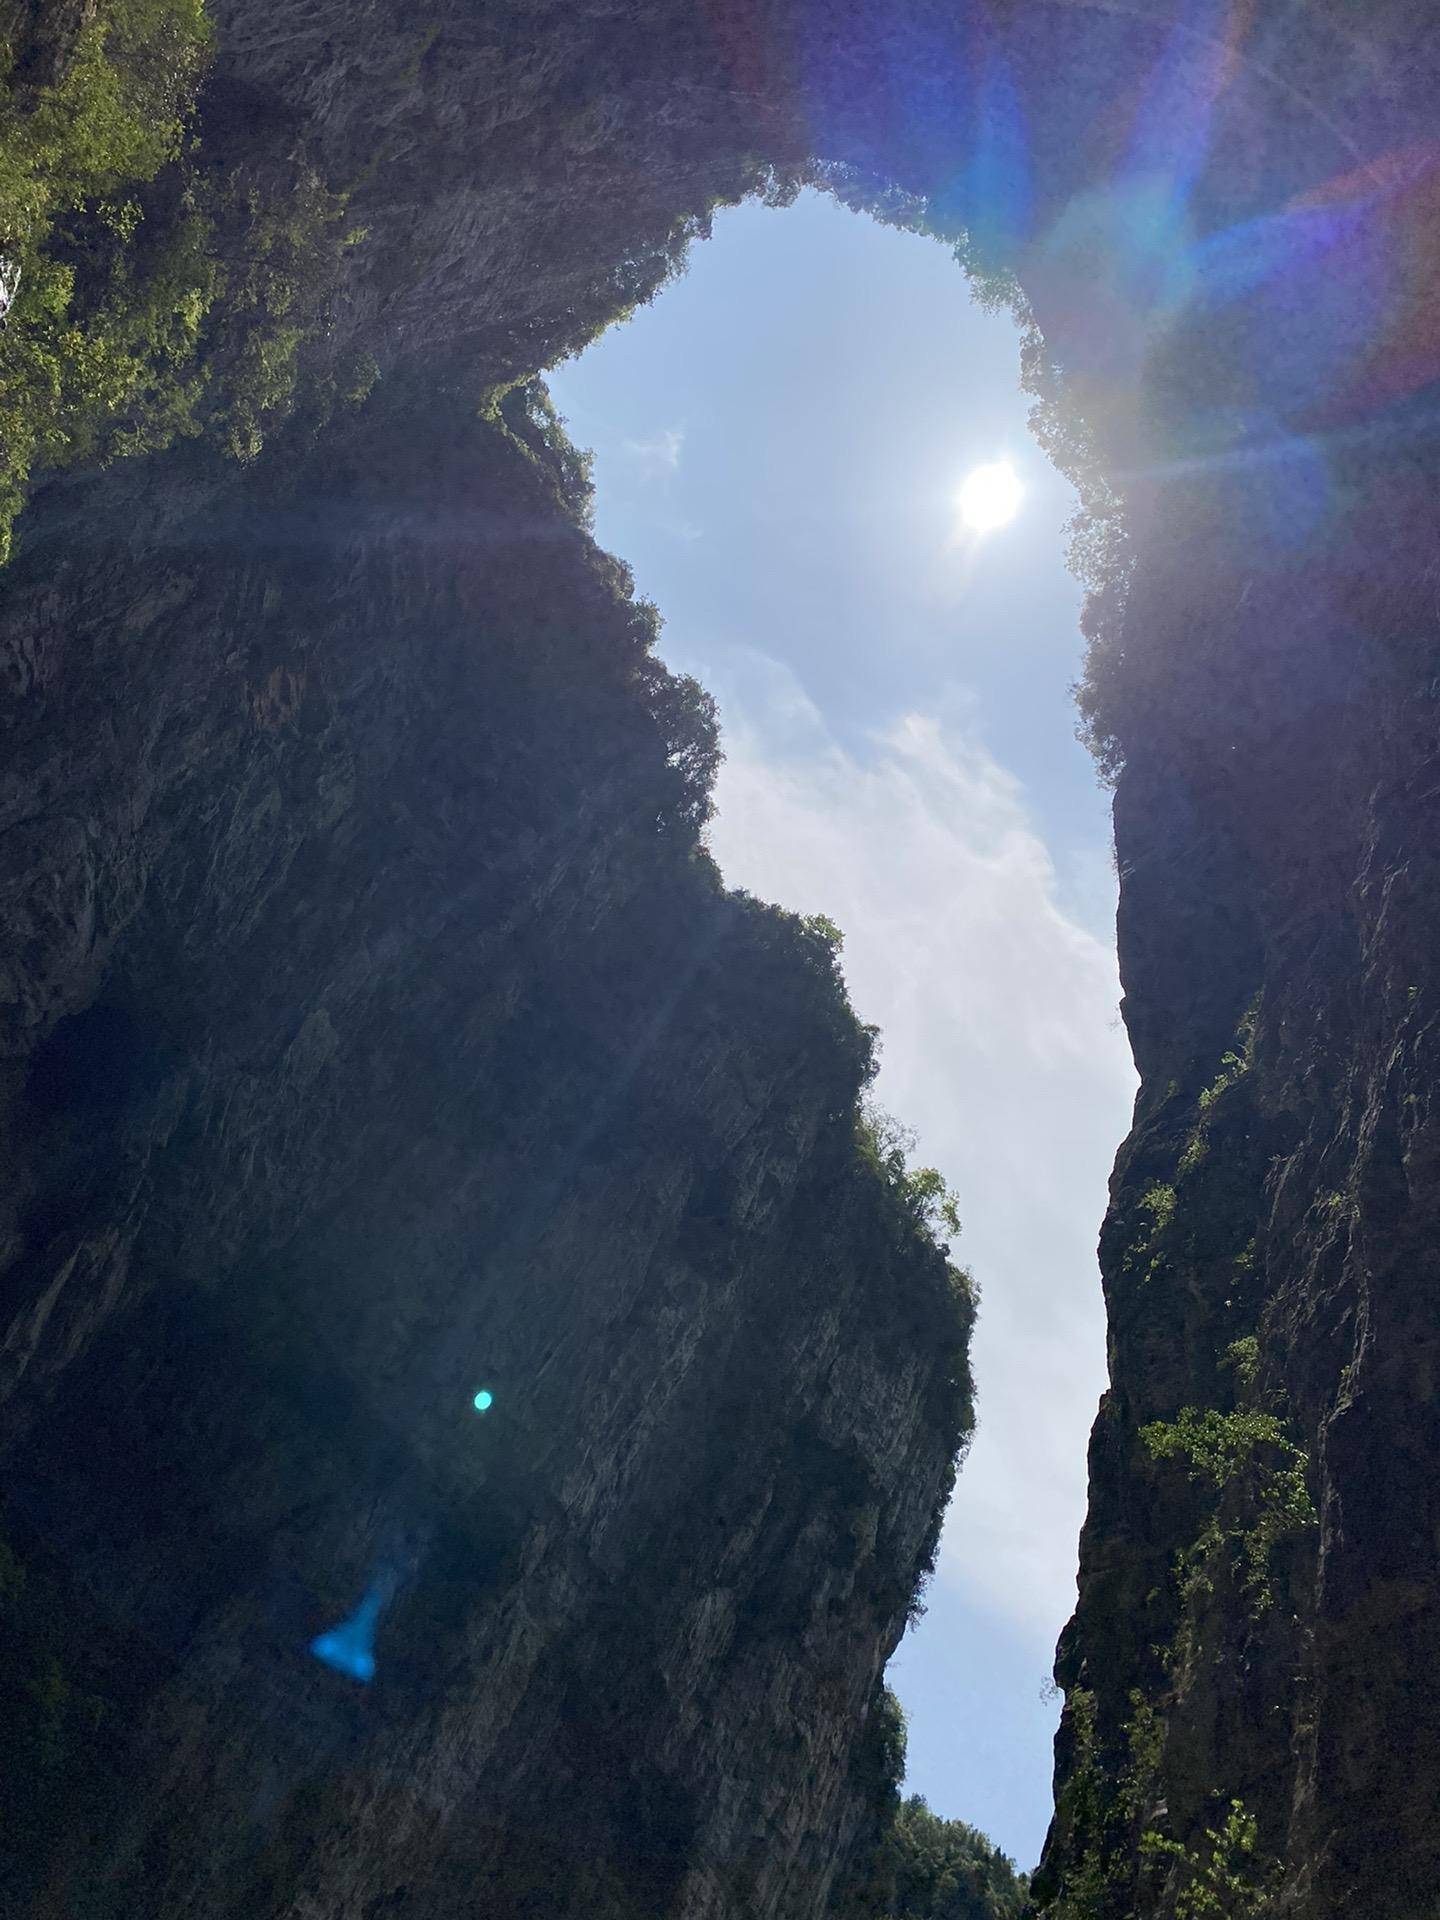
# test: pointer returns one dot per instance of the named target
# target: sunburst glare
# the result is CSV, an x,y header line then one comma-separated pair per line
x,y
990,497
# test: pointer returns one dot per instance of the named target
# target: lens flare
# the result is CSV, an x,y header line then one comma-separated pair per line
x,y
350,1647
484,1400
990,497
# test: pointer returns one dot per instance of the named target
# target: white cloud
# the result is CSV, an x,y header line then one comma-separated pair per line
x,y
1000,1046
659,456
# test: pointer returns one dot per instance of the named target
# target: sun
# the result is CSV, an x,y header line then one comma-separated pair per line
x,y
990,497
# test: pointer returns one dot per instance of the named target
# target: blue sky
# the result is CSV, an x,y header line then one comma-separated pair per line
x,y
779,443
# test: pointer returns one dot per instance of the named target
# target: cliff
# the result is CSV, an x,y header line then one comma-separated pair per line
x,y
1257,1589
375,1031
378,1036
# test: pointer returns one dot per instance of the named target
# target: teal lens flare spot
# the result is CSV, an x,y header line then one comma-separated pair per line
x,y
483,1399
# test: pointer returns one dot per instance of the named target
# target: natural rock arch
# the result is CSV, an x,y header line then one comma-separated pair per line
x,y
322,879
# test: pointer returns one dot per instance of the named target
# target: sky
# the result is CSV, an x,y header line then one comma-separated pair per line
x,y
779,444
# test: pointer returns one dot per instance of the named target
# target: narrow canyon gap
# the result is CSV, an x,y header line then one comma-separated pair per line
x,y
779,443
376,1033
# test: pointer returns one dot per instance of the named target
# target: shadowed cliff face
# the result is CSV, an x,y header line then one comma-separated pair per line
x,y
379,1038
373,1031
1241,1636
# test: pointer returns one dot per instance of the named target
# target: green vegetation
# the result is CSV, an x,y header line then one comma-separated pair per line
x,y
1083,1811
914,1865
1113,1845
102,328
1234,1065
1158,1200
285,254
1196,1148
1225,1879
946,1870
1334,1205
1216,1445
525,412
925,1210
155,298
824,928
1244,1356
1248,1455
886,1145
1145,1743
1117,1851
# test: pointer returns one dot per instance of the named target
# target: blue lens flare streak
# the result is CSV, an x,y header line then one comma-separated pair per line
x,y
350,1647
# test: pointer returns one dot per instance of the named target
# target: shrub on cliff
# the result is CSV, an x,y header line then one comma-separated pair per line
x,y
155,296
99,327
886,1145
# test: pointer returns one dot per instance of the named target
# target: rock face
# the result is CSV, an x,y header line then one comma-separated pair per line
x,y
1258,1585
374,1031
374,1037
1244,1634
